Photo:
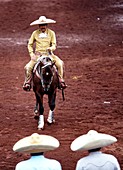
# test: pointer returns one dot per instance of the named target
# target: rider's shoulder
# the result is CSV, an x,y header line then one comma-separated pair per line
x,y
50,31
36,31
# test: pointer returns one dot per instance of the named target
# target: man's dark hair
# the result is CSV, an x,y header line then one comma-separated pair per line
x,y
43,25
94,150
36,154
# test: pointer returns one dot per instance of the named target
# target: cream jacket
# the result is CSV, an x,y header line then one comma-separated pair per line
x,y
42,41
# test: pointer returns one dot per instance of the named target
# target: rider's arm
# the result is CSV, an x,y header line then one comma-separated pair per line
x,y
53,41
30,45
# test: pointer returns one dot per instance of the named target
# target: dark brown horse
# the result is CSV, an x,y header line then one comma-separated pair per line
x,y
45,81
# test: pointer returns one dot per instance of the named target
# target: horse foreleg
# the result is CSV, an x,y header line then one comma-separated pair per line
x,y
51,101
50,118
41,122
41,111
36,110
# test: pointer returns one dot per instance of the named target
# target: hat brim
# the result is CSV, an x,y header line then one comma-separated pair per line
x,y
46,143
38,22
88,142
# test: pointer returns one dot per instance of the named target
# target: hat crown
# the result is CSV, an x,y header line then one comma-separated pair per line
x,y
92,133
42,19
35,138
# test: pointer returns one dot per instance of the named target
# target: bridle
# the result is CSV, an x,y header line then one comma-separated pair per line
x,y
43,63
45,85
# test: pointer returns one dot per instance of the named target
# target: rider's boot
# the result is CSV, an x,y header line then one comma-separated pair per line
x,y
27,82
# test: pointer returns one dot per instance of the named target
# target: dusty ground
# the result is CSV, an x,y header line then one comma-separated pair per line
x,y
90,41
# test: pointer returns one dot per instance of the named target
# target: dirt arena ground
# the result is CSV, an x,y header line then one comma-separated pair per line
x,y
90,42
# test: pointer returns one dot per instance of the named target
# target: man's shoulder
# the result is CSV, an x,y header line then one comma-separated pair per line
x,y
22,165
53,163
36,31
108,156
50,31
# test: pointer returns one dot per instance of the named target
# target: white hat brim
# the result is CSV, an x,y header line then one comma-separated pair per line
x,y
92,141
38,22
45,143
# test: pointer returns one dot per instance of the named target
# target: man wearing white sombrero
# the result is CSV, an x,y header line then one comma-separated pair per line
x,y
96,160
42,42
36,145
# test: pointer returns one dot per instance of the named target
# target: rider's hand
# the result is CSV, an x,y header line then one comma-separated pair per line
x,y
33,57
49,49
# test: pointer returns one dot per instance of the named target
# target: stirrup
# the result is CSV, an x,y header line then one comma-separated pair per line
x,y
26,87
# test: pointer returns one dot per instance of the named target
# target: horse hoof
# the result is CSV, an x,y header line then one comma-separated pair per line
x,y
36,117
40,128
49,121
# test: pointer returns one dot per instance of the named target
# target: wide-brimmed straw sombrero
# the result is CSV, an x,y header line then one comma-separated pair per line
x,y
92,140
36,143
43,20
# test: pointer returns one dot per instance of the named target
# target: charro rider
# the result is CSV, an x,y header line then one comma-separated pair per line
x,y
42,42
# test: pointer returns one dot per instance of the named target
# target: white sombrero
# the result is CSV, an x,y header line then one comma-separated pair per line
x,y
43,20
36,143
92,140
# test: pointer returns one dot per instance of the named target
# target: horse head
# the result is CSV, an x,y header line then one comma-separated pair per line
x,y
46,76
45,72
